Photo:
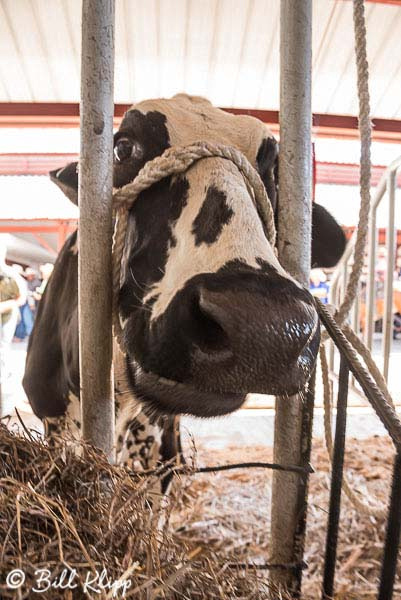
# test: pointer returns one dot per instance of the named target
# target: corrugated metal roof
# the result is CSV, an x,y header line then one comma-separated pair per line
x,y
227,50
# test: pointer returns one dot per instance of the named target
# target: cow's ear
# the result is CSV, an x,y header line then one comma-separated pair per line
x,y
328,239
267,165
67,180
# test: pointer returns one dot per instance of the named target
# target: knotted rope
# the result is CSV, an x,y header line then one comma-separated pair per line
x,y
174,161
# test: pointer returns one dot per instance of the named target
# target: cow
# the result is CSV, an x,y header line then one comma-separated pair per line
x,y
209,314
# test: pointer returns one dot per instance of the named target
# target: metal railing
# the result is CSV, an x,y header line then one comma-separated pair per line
x,y
387,415
386,187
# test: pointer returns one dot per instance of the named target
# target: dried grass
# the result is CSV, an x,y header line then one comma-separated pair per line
x,y
231,512
59,511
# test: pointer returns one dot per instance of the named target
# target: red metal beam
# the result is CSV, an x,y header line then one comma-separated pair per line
x,y
55,114
393,2
41,164
36,226
347,174
44,244
33,164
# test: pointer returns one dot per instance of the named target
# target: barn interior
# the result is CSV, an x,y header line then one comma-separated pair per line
x,y
229,52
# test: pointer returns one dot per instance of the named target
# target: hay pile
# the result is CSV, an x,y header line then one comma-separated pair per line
x,y
230,511
58,511
80,516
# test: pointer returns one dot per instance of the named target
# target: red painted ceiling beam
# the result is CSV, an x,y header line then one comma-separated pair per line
x,y
33,164
393,2
41,164
54,114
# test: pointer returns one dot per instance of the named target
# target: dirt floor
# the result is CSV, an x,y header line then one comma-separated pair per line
x,y
231,511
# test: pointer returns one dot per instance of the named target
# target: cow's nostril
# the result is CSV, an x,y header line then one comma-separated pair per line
x,y
209,335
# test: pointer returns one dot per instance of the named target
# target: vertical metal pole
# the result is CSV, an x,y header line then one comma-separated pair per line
x,y
371,282
355,319
95,225
391,548
336,483
289,494
389,285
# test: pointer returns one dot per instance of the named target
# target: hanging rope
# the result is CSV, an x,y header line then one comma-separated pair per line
x,y
365,129
174,161
367,506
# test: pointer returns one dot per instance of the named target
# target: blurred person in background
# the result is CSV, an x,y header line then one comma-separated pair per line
x,y
27,310
34,282
46,270
318,285
11,298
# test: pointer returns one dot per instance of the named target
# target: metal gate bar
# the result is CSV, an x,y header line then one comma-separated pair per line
x,y
336,482
390,555
389,418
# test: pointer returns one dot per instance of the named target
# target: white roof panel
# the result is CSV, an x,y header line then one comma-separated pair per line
x,y
227,50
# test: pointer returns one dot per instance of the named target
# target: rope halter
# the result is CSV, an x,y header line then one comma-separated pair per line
x,y
174,161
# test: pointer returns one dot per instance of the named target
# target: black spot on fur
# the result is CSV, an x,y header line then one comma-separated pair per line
x,y
212,217
267,164
328,239
155,213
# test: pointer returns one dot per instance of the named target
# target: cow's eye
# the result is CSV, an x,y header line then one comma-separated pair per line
x,y
125,148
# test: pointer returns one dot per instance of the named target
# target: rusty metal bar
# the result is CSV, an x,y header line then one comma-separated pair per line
x,y
391,548
95,225
336,483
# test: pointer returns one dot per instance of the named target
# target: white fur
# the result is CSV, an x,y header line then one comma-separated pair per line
x,y
242,238
192,118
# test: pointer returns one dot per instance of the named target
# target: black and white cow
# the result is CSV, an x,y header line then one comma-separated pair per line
x,y
209,313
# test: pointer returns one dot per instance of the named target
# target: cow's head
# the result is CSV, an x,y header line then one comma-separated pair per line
x,y
209,314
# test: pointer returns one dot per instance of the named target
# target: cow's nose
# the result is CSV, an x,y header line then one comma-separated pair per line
x,y
235,321
211,333
223,317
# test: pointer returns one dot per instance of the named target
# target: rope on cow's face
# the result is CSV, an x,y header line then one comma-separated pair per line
x,y
174,161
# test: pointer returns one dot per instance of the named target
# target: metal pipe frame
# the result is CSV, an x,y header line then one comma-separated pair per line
x,y
336,483
388,317
387,182
372,249
95,225
289,493
391,422
393,531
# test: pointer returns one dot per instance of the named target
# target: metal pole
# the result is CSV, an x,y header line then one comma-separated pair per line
x,y
371,280
293,417
336,483
95,225
389,279
393,534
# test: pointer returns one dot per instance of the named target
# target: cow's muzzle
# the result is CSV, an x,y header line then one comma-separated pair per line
x,y
251,343
220,340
